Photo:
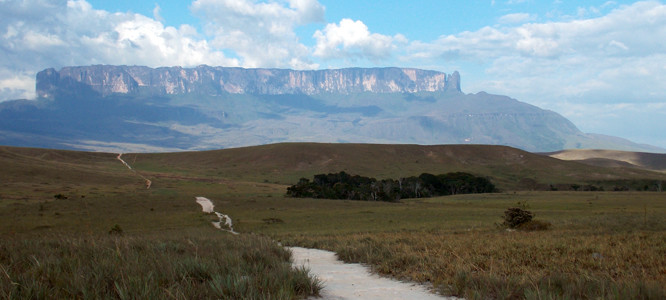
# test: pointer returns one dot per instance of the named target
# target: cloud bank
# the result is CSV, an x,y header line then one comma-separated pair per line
x,y
351,40
261,34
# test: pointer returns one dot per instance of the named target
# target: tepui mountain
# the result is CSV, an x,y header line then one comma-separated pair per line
x,y
142,109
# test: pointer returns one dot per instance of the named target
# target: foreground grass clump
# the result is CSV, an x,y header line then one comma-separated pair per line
x,y
185,267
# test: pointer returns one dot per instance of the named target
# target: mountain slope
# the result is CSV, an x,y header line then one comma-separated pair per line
x,y
133,108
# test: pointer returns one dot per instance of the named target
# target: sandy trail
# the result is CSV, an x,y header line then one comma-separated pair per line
x,y
122,161
208,207
148,182
354,281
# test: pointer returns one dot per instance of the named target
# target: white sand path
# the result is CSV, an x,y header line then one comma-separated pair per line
x,y
208,207
354,281
148,182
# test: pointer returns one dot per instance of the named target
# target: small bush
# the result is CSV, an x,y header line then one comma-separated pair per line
x,y
514,217
59,197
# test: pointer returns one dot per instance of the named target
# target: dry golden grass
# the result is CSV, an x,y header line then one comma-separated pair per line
x,y
509,265
608,245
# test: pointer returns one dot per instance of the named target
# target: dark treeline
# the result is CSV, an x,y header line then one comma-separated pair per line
x,y
344,186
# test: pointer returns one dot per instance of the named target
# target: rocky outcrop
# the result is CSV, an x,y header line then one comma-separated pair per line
x,y
47,83
208,80
453,82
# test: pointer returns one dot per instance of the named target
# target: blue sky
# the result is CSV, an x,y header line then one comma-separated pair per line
x,y
602,64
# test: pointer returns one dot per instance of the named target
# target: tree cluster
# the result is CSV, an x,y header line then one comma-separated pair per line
x,y
344,186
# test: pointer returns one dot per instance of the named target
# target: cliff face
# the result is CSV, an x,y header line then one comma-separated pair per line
x,y
208,80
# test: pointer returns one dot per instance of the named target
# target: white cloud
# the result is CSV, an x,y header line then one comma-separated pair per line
x,y
608,4
124,38
15,85
618,45
515,18
352,39
616,56
260,33
309,11
156,13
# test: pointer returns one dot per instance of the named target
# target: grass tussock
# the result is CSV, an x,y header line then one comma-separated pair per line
x,y
513,265
120,267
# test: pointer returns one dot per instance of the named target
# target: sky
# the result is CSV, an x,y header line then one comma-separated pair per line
x,y
601,64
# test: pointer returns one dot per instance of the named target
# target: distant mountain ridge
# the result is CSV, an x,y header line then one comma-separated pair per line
x,y
220,80
143,109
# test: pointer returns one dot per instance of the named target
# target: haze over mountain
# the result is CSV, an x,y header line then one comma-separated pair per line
x,y
134,108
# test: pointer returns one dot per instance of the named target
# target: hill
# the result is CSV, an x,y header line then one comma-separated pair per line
x,y
285,163
612,158
141,109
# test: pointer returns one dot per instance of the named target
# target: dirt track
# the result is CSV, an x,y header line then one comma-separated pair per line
x,y
148,182
354,281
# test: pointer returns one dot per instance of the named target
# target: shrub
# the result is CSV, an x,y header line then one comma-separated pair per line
x,y
514,217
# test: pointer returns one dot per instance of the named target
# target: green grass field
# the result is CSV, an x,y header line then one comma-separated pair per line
x,y
609,245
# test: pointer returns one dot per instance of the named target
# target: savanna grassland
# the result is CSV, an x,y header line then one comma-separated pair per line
x,y
81,225
78,225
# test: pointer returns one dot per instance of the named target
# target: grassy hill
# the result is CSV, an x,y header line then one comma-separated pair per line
x,y
509,168
98,182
